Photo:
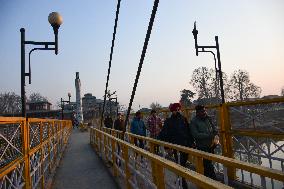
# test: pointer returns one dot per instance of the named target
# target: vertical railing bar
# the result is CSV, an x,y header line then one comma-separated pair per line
x,y
242,171
42,152
282,167
251,179
26,149
226,178
263,181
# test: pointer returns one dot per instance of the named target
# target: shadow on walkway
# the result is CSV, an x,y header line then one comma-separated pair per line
x,y
80,166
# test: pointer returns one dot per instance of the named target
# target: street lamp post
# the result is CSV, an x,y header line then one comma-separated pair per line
x,y
199,48
55,20
62,105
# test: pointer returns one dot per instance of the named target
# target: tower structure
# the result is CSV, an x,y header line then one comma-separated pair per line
x,y
79,113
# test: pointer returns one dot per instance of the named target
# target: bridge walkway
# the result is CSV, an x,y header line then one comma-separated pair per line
x,y
80,166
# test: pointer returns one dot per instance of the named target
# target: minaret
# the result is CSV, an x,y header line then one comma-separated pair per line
x,y
79,114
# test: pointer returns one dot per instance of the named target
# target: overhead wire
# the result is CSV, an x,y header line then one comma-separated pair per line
x,y
110,58
148,34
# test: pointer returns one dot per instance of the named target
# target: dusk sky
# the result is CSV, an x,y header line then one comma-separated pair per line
x,y
251,37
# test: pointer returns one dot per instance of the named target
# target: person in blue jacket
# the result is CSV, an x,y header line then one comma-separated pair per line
x,y
138,127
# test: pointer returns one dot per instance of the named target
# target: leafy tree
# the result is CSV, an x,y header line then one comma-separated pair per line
x,y
10,103
155,105
185,97
240,87
282,91
35,97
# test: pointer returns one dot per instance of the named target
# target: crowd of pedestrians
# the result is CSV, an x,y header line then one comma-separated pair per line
x,y
199,133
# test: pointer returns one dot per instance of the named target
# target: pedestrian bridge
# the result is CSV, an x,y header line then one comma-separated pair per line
x,y
46,153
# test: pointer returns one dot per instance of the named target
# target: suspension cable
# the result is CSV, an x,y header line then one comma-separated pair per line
x,y
151,22
110,58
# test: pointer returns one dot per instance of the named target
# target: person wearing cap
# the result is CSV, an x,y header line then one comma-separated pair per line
x,y
176,131
138,127
154,124
206,137
119,123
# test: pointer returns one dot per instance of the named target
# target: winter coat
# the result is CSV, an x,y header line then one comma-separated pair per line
x,y
138,127
203,131
108,122
176,131
119,125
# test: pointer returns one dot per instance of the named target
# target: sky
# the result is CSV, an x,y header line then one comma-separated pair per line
x,y
251,37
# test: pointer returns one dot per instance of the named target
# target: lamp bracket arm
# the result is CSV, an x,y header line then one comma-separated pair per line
x,y
207,47
38,43
29,73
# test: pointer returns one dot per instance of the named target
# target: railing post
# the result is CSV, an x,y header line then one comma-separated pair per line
x,y
42,154
55,146
49,148
96,140
126,160
153,164
26,148
199,165
131,139
91,137
160,177
227,140
105,147
222,130
113,157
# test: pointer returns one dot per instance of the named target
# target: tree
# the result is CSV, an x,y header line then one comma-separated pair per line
x,y
282,91
206,82
240,87
155,105
185,97
201,80
10,103
35,97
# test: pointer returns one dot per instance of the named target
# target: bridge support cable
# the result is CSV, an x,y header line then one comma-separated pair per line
x,y
110,58
150,26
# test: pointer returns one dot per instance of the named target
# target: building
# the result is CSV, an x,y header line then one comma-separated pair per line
x,y
42,109
92,107
38,105
89,106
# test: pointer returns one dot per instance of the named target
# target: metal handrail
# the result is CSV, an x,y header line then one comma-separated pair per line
x,y
156,161
23,170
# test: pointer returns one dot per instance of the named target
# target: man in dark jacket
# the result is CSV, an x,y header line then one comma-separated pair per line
x,y
119,124
176,130
206,137
108,122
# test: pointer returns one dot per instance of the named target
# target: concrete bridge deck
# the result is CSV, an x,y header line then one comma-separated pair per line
x,y
80,166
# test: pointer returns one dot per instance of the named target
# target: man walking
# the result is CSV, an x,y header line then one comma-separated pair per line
x,y
119,124
176,131
138,128
154,124
206,137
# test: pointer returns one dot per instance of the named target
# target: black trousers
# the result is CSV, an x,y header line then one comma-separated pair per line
x,y
208,166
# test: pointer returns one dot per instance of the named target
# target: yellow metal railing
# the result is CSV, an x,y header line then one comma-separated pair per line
x,y
132,158
30,150
244,122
